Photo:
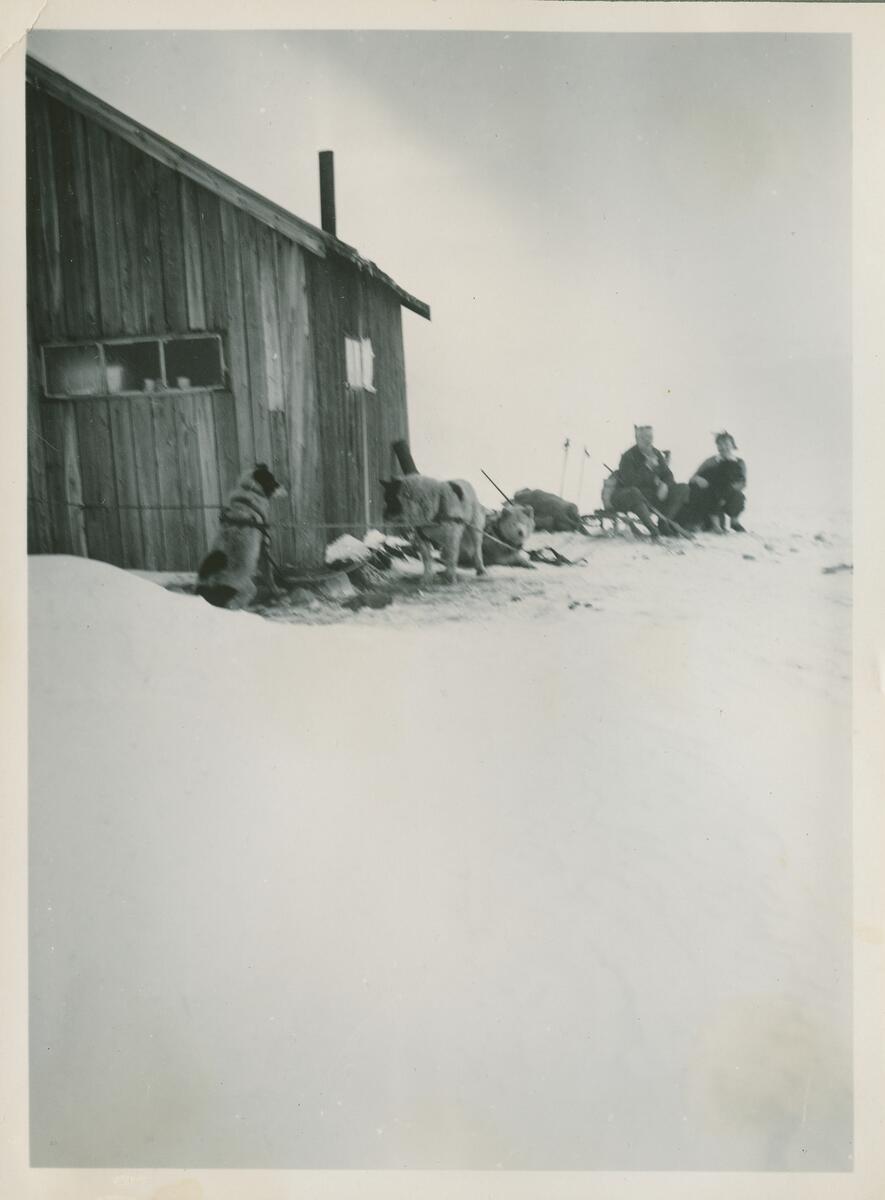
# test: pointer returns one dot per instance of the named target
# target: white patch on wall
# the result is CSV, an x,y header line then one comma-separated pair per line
x,y
360,360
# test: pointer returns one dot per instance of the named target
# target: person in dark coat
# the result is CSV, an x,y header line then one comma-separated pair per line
x,y
716,490
645,483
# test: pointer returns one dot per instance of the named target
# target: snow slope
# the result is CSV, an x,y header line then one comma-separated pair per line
x,y
563,883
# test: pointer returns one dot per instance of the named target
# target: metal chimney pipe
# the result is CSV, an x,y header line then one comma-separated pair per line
x,y
327,192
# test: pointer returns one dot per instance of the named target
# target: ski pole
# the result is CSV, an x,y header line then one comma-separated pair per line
x,y
581,475
495,486
565,446
670,521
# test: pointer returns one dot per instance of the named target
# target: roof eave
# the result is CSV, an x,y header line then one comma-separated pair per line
x,y
405,298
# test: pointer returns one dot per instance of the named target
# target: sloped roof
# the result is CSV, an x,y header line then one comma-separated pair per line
x,y
317,241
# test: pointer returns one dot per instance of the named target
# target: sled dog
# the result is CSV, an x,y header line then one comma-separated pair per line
x,y
505,536
442,513
238,558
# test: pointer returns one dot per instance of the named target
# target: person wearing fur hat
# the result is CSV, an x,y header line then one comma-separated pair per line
x,y
716,490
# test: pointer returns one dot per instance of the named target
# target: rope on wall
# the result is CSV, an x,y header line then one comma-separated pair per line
x,y
109,509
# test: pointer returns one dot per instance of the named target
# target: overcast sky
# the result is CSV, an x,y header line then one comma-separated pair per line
x,y
609,227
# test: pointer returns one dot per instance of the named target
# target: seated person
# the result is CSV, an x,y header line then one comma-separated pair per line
x,y
645,484
716,490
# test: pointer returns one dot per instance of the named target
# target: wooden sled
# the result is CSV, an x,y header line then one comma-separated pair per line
x,y
619,522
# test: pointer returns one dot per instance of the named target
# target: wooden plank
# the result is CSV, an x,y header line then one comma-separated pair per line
x,y
270,318
61,141
354,475
207,457
329,387
147,215
347,465
190,480
171,249
39,513
83,211
352,403
212,255
39,539
123,164
385,329
400,408
50,244
367,418
289,295
193,257
132,550
323,319
43,284
147,483
101,514
73,480
287,299
303,418
60,540
104,229
366,414
237,356
281,516
298,294
398,367
32,545
255,347
229,458
52,434
312,541
283,532
176,536
63,484
379,402
173,156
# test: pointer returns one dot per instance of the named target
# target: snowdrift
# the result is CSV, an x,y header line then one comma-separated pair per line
x,y
552,887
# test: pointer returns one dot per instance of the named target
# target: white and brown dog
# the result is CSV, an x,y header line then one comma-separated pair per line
x,y
238,559
505,537
442,513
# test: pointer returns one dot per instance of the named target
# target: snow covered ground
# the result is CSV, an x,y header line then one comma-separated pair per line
x,y
548,871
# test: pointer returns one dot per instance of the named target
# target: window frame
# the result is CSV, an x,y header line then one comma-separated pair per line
x,y
161,339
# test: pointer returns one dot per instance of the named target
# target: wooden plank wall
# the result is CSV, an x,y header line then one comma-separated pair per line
x,y
335,312
53,455
387,408
119,244
343,303
301,404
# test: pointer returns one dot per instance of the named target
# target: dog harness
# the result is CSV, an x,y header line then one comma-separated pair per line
x,y
442,517
255,520
496,536
231,519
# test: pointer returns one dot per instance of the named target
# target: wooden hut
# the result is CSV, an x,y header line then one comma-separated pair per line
x,y
181,328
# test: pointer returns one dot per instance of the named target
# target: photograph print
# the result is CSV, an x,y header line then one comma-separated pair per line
x,y
439,600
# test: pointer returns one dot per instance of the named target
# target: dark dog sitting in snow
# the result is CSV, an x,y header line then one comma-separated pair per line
x,y
230,572
552,513
445,514
506,533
